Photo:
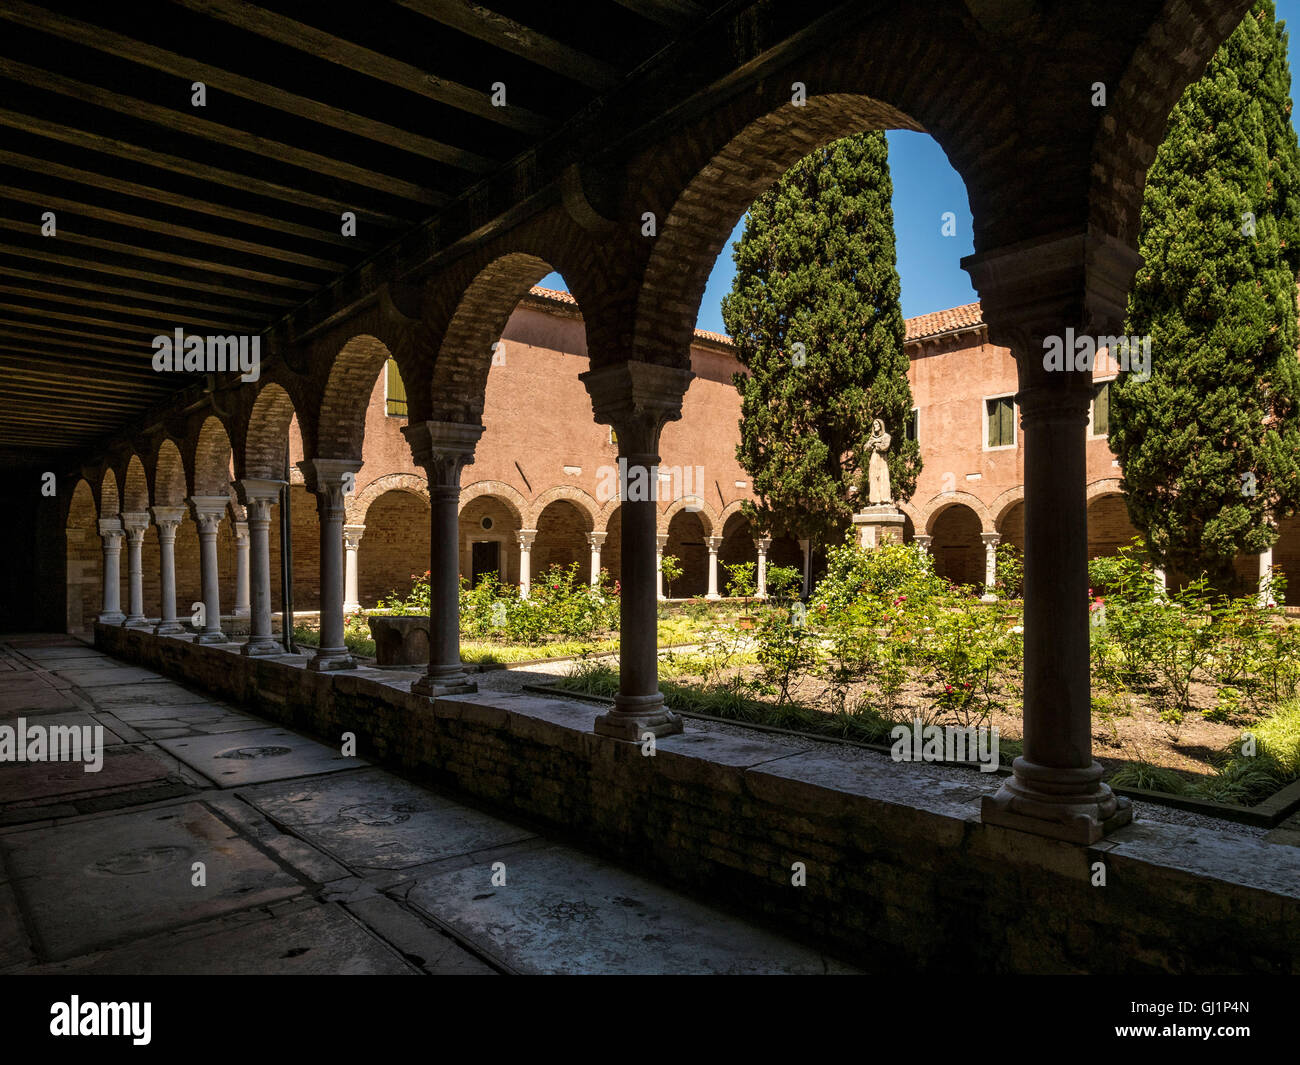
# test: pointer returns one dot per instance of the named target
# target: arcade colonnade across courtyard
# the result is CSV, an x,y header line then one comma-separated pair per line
x,y
1055,191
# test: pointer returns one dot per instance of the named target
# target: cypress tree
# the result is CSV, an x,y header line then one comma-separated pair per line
x,y
1209,445
814,312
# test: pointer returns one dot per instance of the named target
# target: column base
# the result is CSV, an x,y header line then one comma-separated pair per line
x,y
241,612
713,595
635,715
351,608
134,621
263,646
988,598
1067,804
114,618
211,637
328,660
436,685
169,628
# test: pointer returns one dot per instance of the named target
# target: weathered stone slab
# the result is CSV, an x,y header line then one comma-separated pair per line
x,y
562,911
15,950
432,950
101,676
36,780
1250,862
234,759
378,821
22,695
95,883
155,693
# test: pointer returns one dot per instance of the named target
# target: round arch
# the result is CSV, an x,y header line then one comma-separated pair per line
x,y
358,506
266,434
580,499
510,497
693,504
940,503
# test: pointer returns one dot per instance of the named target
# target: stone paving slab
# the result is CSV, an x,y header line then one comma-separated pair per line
x,y
232,760
564,912
36,780
375,820
15,950
100,676
94,883
432,950
196,719
158,692
320,941
27,693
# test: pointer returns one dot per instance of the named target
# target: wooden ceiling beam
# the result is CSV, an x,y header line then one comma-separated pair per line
x,y
163,299
123,308
361,60
671,14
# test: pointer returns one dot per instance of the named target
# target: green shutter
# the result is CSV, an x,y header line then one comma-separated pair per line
x,y
1001,418
1101,411
396,391
1008,420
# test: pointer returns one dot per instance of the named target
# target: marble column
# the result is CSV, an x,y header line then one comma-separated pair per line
x,y
991,541
713,543
241,569
661,541
1266,577
443,450
805,589
134,524
638,399
596,540
923,542
1038,296
330,480
762,544
258,497
110,531
351,546
168,519
525,538
208,512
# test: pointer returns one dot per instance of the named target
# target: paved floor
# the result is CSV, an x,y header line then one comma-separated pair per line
x,y
212,841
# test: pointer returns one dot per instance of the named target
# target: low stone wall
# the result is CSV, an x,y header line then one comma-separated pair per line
x,y
900,872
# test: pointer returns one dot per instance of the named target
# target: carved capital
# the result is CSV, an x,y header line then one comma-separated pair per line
x,y
332,480
638,399
713,543
442,449
762,544
596,539
167,519
111,530
135,523
526,538
258,495
352,536
208,512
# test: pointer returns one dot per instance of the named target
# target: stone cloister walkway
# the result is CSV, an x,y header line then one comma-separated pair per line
x,y
314,863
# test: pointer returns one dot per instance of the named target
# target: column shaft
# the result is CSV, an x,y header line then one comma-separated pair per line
x,y
258,496
110,529
208,512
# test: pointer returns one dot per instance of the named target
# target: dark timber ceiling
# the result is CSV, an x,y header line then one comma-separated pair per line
x,y
221,219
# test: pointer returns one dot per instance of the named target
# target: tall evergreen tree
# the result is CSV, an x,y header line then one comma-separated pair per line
x,y
814,313
1210,445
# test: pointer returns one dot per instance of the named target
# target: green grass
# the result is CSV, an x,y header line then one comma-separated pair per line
x,y
358,645
486,651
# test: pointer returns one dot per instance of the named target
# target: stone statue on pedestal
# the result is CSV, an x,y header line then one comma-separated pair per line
x,y
878,469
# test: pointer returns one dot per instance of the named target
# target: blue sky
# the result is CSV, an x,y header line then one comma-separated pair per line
x,y
925,186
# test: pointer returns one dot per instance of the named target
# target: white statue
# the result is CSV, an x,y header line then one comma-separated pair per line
x,y
878,469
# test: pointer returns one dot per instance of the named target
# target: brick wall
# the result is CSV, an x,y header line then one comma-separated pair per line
x,y
686,541
957,548
394,546
562,540
1109,527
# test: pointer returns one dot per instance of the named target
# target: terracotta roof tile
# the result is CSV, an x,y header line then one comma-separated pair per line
x,y
925,325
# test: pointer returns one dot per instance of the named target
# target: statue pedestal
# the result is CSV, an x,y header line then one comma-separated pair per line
x,y
878,524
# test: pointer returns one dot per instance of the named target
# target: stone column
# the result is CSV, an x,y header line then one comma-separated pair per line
x,y
134,524
258,496
661,541
1040,296
806,547
208,512
351,546
110,530
241,569
597,541
638,399
713,543
923,542
525,537
167,519
991,541
331,480
1266,577
443,449
762,544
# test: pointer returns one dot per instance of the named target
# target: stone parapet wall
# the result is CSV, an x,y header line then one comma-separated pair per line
x,y
901,873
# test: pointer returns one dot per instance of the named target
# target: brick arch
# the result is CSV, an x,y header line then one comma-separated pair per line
x,y
708,517
168,475
110,499
359,505
1005,503
912,514
562,524
265,449
1105,486
955,545
513,501
341,419
1178,44
210,459
585,503
84,573
942,502
724,516
135,486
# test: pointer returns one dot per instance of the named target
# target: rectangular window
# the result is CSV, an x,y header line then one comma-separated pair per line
x,y
1101,410
1000,413
913,430
395,391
